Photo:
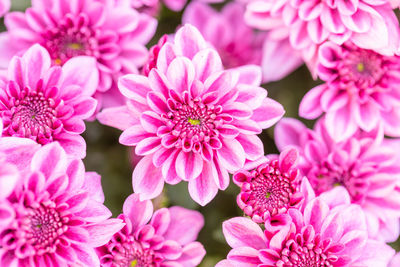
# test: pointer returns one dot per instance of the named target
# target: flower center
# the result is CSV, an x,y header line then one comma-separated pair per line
x,y
43,227
193,124
71,38
303,251
132,254
328,176
34,117
361,70
193,121
269,189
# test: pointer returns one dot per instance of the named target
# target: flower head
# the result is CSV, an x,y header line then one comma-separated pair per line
x,y
114,35
328,231
48,104
309,24
365,164
361,90
271,188
165,238
59,214
191,119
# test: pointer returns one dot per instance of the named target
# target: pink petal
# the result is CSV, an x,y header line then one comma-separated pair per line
x,y
189,41
243,232
206,62
139,212
81,71
125,117
184,226
203,189
231,155
146,179
189,165
268,113
134,87
49,160
133,135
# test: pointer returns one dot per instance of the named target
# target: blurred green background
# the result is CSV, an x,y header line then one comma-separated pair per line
x,y
115,164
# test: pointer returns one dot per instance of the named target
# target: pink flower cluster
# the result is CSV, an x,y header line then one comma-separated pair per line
x,y
192,107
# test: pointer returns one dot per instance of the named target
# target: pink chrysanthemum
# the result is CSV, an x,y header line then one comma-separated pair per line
x,y
192,120
309,23
114,35
59,214
329,231
361,89
238,44
48,104
167,240
364,164
271,188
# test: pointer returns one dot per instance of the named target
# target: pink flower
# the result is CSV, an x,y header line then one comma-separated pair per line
x,y
364,164
114,35
59,214
48,104
361,89
191,119
165,238
311,23
4,7
271,188
329,231
238,44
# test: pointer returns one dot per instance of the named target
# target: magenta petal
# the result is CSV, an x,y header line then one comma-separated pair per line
x,y
188,165
184,226
310,106
243,232
192,254
147,180
139,212
203,189
252,145
245,256
206,62
81,71
161,221
268,113
125,117
38,62
189,41
49,159
288,158
134,87
231,155
133,135
93,186
171,250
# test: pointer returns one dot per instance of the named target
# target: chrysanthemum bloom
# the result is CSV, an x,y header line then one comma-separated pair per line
x,y
271,188
4,7
238,44
114,35
367,24
191,119
361,89
364,164
168,239
48,104
329,231
59,214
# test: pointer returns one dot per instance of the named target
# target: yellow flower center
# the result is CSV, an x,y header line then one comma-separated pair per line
x,y
360,67
75,46
193,121
268,194
133,263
